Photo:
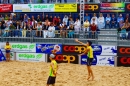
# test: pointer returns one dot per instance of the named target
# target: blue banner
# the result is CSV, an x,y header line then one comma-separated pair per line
x,y
104,50
47,48
2,57
99,60
84,60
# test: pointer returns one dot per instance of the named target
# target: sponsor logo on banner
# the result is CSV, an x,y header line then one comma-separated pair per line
x,y
20,47
123,61
33,8
123,51
47,48
97,49
31,57
112,7
2,57
84,60
6,8
65,7
65,58
127,7
90,7
99,60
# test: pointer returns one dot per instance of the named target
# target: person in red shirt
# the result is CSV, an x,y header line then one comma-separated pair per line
x,y
93,29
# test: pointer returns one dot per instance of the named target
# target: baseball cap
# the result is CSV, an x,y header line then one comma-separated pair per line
x,y
52,56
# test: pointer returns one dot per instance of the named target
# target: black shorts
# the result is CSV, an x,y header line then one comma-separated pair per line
x,y
51,80
89,61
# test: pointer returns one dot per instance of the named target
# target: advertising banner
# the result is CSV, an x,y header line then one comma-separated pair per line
x,y
112,7
97,49
99,60
123,51
31,57
127,7
65,7
47,48
20,47
65,58
90,7
6,8
11,55
2,57
33,8
123,61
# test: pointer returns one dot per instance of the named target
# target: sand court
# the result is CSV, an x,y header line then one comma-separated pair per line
x,y
17,73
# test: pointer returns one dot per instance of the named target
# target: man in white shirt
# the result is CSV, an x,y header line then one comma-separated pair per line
x,y
77,25
108,20
51,31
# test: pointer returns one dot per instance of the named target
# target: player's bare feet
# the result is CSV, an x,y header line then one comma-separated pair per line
x,y
88,77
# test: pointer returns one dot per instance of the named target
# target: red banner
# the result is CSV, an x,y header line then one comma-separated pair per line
x,y
6,8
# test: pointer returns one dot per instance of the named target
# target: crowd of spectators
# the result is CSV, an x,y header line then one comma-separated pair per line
x,y
56,1
48,26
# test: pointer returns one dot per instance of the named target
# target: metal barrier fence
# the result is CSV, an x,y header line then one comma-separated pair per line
x,y
64,37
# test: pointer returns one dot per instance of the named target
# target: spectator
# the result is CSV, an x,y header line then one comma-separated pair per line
x,y
63,31
32,18
61,27
71,31
9,22
119,19
101,23
87,17
108,22
121,24
39,29
123,33
34,25
1,18
127,18
24,30
95,17
113,21
77,25
55,20
46,26
20,31
71,21
70,16
51,31
6,17
93,30
51,19
65,19
12,30
59,21
38,18
46,18
21,18
6,31
127,25
29,22
17,32
25,18
1,28
29,31
93,21
86,26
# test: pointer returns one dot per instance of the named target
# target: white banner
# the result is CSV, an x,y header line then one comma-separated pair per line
x,y
33,8
105,60
30,57
20,47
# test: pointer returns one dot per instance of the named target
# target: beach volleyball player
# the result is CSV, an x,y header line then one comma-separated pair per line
x,y
53,71
89,52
